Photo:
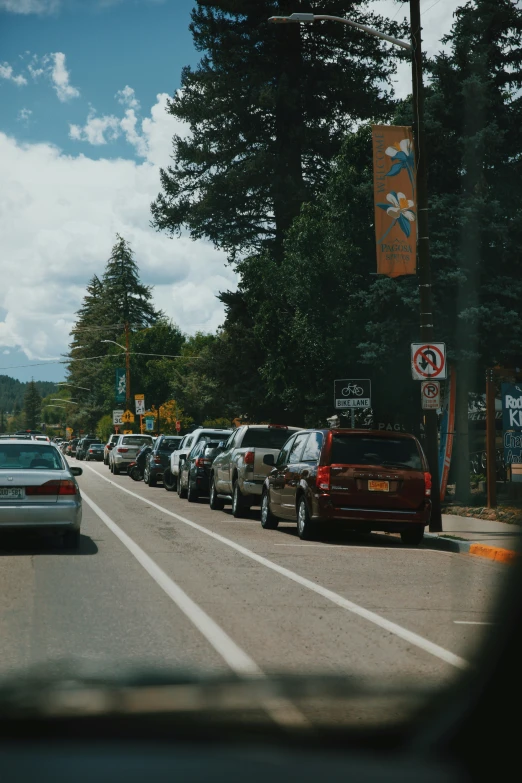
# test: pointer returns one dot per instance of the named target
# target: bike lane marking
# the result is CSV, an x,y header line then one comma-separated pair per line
x,y
281,710
387,625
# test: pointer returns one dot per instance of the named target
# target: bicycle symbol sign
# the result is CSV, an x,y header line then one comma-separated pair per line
x,y
428,360
352,393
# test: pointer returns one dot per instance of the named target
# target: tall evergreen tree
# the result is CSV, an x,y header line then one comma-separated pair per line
x,y
124,295
32,406
267,107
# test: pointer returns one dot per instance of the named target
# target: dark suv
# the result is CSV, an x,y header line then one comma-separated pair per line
x,y
83,446
367,480
159,458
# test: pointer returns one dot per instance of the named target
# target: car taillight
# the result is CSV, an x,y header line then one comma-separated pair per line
x,y
122,451
66,487
427,484
248,459
323,477
158,460
91,451
201,462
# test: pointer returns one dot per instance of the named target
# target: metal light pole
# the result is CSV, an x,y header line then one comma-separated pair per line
x,y
423,248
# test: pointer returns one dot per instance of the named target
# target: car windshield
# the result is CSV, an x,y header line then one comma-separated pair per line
x,y
363,450
168,445
21,457
273,438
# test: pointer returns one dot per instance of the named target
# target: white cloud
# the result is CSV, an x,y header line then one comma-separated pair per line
x,y
24,115
60,78
59,215
127,97
6,72
97,130
30,6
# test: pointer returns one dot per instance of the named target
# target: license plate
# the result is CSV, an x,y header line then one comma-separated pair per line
x,y
378,486
12,493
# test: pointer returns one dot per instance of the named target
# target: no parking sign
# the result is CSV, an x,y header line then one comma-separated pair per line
x,y
430,395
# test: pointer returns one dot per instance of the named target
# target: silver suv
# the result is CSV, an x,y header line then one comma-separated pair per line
x,y
170,476
125,450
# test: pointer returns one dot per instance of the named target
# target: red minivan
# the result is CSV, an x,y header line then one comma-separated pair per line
x,y
368,480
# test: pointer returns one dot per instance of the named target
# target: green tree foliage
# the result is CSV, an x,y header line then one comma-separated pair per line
x,y
32,406
267,107
12,392
125,298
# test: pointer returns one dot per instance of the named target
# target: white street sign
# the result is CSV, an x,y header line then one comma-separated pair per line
x,y
149,424
116,417
430,395
428,361
140,407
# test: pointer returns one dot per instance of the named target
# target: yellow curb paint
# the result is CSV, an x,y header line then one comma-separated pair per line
x,y
494,553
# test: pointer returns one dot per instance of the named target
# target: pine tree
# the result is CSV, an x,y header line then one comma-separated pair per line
x,y
32,406
268,106
125,297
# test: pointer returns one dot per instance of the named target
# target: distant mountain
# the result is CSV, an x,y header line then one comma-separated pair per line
x,y
13,391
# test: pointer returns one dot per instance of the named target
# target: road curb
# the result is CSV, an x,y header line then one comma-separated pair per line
x,y
498,554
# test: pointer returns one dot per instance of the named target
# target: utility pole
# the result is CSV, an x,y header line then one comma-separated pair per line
x,y
491,474
127,367
423,252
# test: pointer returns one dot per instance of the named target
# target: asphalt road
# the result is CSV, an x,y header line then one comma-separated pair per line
x,y
162,582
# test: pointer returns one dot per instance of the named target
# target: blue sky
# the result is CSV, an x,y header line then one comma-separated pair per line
x,y
84,132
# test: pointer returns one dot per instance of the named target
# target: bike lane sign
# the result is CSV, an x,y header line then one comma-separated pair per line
x,y
428,361
353,393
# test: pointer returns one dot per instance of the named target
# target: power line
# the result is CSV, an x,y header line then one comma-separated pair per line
x,y
102,356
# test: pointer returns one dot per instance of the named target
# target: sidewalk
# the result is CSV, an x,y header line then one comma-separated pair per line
x,y
480,537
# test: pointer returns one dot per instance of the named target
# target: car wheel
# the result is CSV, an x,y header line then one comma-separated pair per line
x,y
152,480
115,469
306,529
192,494
169,481
182,492
216,504
413,535
71,539
238,502
268,520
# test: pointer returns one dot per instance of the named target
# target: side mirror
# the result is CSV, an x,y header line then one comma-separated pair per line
x,y
221,444
76,471
268,459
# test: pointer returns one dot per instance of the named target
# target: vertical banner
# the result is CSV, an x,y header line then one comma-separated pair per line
x,y
121,385
394,200
447,430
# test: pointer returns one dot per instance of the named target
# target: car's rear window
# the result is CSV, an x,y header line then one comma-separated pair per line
x,y
169,444
266,439
16,457
372,450
96,446
136,440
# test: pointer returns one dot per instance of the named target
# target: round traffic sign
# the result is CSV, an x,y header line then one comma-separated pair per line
x,y
430,390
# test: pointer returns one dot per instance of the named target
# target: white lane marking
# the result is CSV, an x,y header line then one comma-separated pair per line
x,y
471,622
387,625
282,711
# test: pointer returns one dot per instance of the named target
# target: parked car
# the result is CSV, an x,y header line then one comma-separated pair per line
x,y
366,480
194,472
94,452
159,458
108,447
238,473
125,451
136,468
71,448
170,476
43,438
83,446
38,490
63,446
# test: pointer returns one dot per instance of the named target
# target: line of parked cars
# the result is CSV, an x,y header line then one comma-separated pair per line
x,y
361,479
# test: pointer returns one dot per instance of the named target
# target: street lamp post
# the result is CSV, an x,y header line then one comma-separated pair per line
x,y
423,247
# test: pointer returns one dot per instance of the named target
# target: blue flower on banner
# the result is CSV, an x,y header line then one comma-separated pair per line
x,y
400,210
402,158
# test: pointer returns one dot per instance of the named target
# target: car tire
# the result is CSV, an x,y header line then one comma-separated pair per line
x,y
268,520
71,539
306,528
135,474
238,503
115,469
152,480
192,494
182,492
413,535
215,503
169,481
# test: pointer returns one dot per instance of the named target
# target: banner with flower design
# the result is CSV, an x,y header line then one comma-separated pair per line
x,y
394,199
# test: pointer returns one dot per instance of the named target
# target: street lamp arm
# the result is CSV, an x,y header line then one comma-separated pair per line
x,y
307,18
60,399
115,343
